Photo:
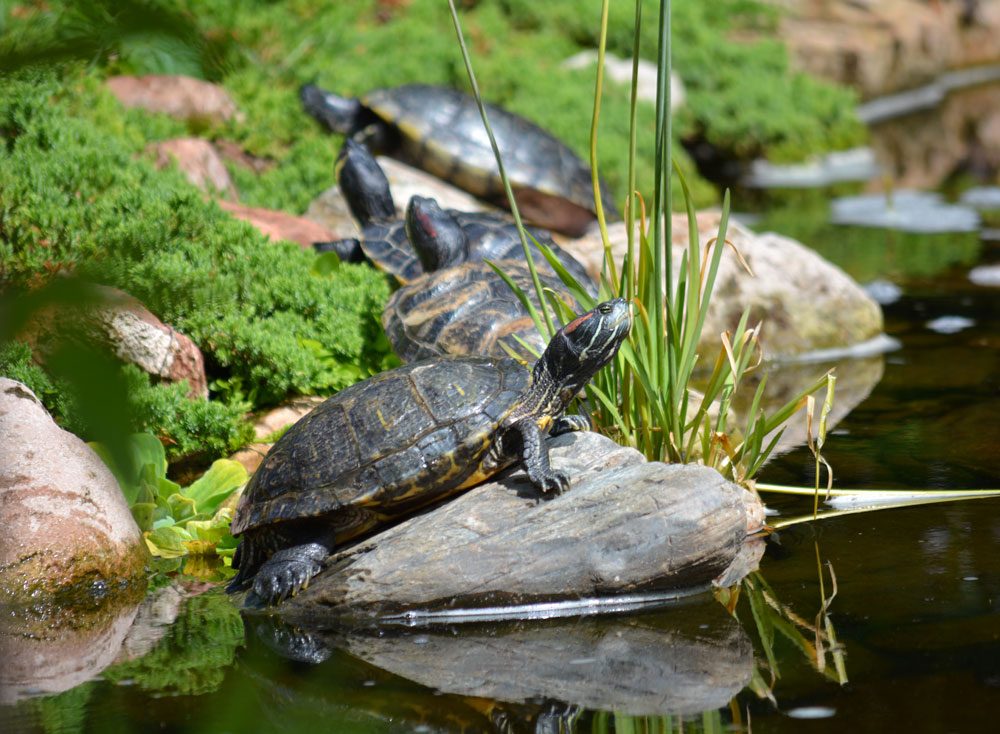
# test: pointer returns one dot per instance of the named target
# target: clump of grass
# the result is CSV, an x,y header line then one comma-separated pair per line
x,y
645,397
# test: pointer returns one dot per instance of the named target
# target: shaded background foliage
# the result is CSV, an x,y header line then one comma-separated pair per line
x,y
81,196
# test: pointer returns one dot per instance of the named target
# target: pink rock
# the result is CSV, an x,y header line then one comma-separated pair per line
x,y
887,46
200,163
66,522
279,225
182,97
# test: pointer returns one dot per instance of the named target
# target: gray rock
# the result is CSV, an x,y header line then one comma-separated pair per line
x,y
122,324
329,209
805,302
66,523
626,526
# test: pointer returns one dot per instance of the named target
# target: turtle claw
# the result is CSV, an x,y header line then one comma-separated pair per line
x,y
555,484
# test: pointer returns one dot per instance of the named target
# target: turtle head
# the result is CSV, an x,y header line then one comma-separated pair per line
x,y
364,184
338,114
583,346
435,235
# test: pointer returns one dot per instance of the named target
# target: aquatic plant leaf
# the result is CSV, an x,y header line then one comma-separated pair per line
x,y
326,263
143,514
215,485
167,542
208,531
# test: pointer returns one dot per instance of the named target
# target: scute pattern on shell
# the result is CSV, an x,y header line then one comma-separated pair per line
x,y
385,446
442,132
466,310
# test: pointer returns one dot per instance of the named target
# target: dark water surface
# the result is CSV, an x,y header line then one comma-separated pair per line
x,y
916,613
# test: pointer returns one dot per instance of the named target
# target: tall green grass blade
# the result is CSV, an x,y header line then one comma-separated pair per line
x,y
503,172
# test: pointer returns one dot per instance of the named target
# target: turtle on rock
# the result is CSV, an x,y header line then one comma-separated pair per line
x,y
384,241
464,308
440,130
467,310
403,439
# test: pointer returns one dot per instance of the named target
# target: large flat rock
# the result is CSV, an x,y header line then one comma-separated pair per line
x,y
626,526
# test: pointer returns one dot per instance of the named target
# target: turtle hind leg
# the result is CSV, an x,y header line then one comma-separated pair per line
x,y
289,570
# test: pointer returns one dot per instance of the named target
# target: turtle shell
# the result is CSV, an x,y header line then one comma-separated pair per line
x,y
467,310
442,132
384,447
386,246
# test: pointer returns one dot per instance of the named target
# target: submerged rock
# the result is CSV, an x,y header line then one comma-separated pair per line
x,y
985,275
680,659
904,210
626,526
67,526
52,649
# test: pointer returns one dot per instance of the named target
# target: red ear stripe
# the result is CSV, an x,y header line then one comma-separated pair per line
x,y
428,224
571,326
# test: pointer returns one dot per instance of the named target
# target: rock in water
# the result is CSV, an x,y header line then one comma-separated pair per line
x,y
66,522
625,526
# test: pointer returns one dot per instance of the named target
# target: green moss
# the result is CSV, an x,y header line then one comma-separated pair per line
x,y
78,199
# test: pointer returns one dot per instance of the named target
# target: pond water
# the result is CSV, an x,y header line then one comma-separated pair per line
x,y
915,620
916,615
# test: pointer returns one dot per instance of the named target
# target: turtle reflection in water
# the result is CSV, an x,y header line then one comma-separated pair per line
x,y
403,439
440,130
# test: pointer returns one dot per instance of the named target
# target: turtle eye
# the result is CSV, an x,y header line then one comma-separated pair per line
x,y
604,308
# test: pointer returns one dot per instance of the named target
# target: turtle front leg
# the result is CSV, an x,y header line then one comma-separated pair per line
x,y
535,456
288,571
567,423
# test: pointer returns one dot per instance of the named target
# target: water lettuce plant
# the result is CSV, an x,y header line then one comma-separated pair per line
x,y
176,521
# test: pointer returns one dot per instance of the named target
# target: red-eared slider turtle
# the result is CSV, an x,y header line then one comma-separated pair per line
x,y
440,130
465,310
405,438
466,236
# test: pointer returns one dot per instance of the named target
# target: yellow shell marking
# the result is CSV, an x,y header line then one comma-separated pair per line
x,y
382,420
460,390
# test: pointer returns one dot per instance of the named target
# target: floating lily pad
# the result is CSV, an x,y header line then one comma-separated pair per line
x,y
906,211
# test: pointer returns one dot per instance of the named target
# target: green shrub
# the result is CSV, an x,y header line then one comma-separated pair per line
x,y
76,198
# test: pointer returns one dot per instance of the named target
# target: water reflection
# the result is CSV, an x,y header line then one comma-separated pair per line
x,y
688,659
48,651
